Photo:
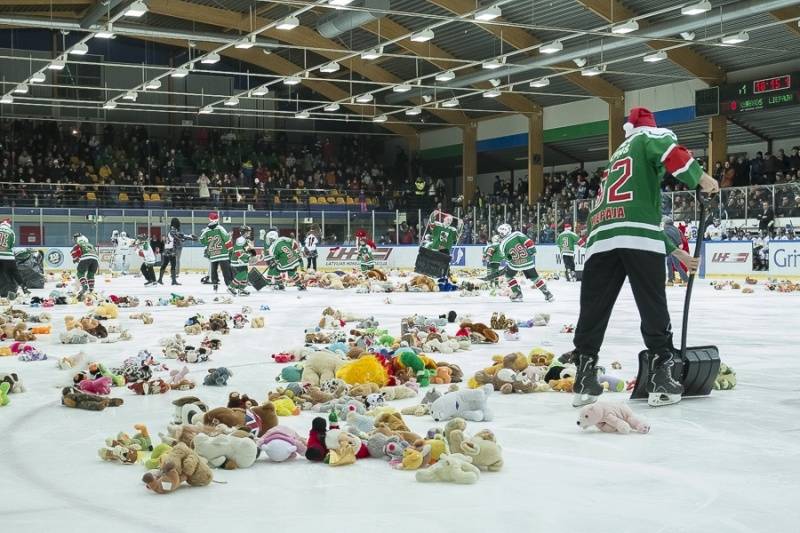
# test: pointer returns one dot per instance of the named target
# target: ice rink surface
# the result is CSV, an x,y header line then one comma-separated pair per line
x,y
730,462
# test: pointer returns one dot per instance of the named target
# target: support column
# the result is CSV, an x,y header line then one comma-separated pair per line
x,y
616,118
469,160
535,155
717,141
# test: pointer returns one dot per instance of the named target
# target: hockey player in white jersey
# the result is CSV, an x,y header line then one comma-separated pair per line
x,y
120,261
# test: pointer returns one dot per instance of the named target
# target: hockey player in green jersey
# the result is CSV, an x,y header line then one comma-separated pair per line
x,y
626,241
366,261
443,234
493,259
218,246
240,259
8,263
566,242
85,255
283,256
519,252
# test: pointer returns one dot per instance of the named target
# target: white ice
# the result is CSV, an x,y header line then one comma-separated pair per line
x,y
724,463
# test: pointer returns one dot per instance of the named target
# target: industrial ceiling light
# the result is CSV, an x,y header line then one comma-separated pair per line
x,y
380,118
423,36
372,54
207,110
57,64
210,58
490,13
625,27
106,33
289,23
447,75
340,3
79,49
696,9
453,102
292,80
111,104
593,71
740,37
580,62
551,48
259,91
494,63
333,106
303,114
232,101
136,9
491,93
130,95
413,111
688,35
364,98
22,88
401,88
180,72
246,43
495,82
655,58
152,85
7,99
38,77
329,68
541,82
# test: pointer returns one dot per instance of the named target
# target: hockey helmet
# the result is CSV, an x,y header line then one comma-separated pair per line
x,y
81,240
245,231
504,230
76,236
123,235
272,235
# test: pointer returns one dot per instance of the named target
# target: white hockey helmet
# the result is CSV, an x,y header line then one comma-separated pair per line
x,y
82,240
272,235
504,230
123,234
115,234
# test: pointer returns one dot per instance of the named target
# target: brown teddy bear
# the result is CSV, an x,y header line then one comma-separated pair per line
x,y
515,361
376,274
240,401
93,327
264,418
178,465
72,397
443,376
456,374
562,385
481,333
405,435
421,283
22,334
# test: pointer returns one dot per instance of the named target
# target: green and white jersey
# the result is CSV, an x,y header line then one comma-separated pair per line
x,y
146,252
83,252
566,242
7,241
492,254
443,237
518,251
365,258
286,253
628,211
217,242
239,254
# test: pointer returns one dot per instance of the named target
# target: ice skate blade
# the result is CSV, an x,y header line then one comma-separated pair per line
x,y
579,400
658,399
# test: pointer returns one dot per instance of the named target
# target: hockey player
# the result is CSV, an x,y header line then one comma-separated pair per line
x,y
218,246
519,251
85,255
310,249
566,241
493,259
142,245
366,261
714,230
443,234
173,245
8,263
122,251
283,256
625,240
240,259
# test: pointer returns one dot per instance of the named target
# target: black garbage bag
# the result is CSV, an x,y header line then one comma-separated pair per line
x,y
30,264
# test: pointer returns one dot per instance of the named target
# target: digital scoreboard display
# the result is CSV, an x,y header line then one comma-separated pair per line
x,y
759,95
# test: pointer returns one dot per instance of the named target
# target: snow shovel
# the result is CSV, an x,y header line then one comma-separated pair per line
x,y
698,366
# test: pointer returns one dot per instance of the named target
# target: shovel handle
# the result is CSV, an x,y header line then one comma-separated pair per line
x,y
698,244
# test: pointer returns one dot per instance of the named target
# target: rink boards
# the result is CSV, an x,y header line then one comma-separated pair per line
x,y
725,258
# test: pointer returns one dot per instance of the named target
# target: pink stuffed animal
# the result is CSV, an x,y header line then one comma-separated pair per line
x,y
610,418
176,376
284,357
101,385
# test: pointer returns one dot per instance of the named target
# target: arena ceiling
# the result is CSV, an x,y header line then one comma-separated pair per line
x,y
409,65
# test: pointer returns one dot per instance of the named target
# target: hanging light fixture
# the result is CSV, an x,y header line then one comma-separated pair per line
x,y
447,75
490,13
289,23
423,36
38,77
413,111
207,110
333,106
259,91
364,98
453,102
80,49
136,9
153,85
232,101
380,118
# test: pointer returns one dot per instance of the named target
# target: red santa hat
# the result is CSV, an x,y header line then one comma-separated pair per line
x,y
213,216
567,226
639,117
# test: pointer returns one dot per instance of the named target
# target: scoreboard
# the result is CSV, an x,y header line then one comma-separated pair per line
x,y
756,95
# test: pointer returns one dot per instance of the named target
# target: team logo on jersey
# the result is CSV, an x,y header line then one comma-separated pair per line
x,y
726,257
54,258
458,256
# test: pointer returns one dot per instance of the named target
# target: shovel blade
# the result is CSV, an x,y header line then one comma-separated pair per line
x,y
696,370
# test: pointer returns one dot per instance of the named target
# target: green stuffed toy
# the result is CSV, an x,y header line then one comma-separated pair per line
x,y
291,374
155,457
142,438
386,340
726,379
4,388
409,359
116,379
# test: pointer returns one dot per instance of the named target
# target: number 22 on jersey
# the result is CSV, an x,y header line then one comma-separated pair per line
x,y
611,194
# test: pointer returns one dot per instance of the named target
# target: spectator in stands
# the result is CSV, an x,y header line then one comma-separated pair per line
x,y
757,169
771,167
766,219
727,176
203,193
783,161
794,159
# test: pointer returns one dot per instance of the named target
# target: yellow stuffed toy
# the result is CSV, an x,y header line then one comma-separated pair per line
x,y
284,406
106,310
366,369
541,357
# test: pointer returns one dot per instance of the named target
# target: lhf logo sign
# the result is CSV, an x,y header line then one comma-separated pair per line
x,y
726,257
349,253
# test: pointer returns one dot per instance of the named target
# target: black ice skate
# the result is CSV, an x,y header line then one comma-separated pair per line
x,y
243,292
175,282
216,287
587,389
233,291
548,296
516,297
81,294
662,389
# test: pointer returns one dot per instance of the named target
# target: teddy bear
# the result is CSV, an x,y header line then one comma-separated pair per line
x,y
188,410
469,404
180,464
450,468
726,378
381,446
225,451
486,454
121,449
397,392
217,377
76,399
611,418
321,366
281,443
562,385
240,401
93,327
193,329
154,386
14,382
106,310
146,318
481,333
5,387
443,376
285,406
258,420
